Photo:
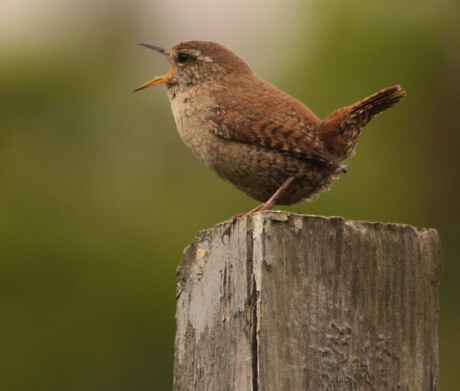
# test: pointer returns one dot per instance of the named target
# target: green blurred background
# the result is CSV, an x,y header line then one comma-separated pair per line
x,y
99,196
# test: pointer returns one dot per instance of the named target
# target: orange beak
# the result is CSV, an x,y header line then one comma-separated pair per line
x,y
158,80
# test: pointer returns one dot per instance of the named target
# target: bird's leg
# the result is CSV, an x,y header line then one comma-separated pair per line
x,y
276,195
265,206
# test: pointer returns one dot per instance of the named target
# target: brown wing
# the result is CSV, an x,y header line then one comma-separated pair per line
x,y
258,113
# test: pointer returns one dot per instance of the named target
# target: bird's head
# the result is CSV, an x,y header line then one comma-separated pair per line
x,y
196,62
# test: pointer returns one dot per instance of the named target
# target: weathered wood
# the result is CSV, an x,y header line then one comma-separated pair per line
x,y
294,302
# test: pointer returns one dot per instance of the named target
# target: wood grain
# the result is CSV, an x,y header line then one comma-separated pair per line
x,y
294,302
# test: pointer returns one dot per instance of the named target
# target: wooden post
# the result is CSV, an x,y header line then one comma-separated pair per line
x,y
293,302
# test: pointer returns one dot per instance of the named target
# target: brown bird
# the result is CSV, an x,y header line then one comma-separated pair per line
x,y
266,143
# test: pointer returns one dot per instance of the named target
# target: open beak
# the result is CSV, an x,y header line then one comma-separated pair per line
x,y
158,80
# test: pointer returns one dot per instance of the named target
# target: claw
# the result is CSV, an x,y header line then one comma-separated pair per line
x,y
230,224
266,206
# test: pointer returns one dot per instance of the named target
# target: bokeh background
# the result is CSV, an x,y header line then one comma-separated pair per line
x,y
98,195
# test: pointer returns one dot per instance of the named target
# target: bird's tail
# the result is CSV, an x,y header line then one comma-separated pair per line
x,y
341,129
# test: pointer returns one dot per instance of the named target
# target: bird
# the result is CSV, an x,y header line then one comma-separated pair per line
x,y
260,139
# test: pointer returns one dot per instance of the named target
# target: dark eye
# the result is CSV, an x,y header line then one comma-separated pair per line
x,y
182,58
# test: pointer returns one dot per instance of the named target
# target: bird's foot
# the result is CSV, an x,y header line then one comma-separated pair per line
x,y
230,224
263,207
232,221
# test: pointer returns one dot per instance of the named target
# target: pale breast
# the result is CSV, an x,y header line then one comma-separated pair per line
x,y
191,111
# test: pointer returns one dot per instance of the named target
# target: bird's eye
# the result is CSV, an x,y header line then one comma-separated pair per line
x,y
182,58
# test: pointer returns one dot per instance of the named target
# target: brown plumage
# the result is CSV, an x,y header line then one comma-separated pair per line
x,y
341,129
252,134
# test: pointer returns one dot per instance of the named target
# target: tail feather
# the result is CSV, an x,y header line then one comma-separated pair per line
x,y
369,107
341,129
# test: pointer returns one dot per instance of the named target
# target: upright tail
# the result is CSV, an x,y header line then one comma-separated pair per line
x,y
341,129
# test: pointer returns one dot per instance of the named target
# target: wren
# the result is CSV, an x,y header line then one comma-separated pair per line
x,y
266,143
